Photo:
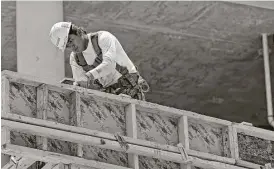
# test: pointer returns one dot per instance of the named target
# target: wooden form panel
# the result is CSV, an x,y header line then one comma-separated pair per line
x,y
47,130
18,99
152,163
103,116
59,107
58,110
131,126
107,117
105,155
51,157
95,133
156,128
157,118
160,129
23,98
208,137
22,101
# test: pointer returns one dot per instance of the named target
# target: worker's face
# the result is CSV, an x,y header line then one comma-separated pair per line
x,y
76,43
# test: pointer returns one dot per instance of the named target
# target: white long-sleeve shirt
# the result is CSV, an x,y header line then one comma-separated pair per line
x,y
112,53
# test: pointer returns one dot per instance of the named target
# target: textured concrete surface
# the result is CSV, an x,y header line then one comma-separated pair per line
x,y
152,163
23,102
208,138
160,129
58,111
255,149
106,117
199,56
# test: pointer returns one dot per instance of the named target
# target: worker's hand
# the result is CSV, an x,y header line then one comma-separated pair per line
x,y
75,84
90,77
83,83
86,82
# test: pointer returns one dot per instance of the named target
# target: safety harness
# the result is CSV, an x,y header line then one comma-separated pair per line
x,y
80,60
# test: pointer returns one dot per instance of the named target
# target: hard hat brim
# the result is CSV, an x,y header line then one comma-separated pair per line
x,y
65,43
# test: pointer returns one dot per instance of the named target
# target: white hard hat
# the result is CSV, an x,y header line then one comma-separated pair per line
x,y
59,34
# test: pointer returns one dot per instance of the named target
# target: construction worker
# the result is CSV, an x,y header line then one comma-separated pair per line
x,y
98,61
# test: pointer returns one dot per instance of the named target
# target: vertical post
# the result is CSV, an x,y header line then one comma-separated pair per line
x,y
131,127
270,117
183,136
5,99
232,143
42,108
5,136
76,113
5,109
235,144
42,102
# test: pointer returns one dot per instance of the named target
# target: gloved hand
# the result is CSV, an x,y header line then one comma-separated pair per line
x,y
82,82
75,84
87,82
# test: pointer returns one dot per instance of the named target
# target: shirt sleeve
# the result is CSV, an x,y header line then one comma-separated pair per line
x,y
107,44
77,71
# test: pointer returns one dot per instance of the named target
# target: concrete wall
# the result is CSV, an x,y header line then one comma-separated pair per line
x,y
36,54
26,47
8,36
8,45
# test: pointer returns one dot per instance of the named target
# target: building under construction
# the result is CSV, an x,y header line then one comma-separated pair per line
x,y
49,124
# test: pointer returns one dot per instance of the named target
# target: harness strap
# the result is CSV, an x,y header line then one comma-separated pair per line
x,y
98,60
80,59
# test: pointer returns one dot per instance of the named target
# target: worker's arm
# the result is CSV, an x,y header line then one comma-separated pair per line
x,y
77,71
107,44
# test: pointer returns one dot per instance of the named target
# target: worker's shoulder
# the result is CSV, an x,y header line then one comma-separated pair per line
x,y
105,35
